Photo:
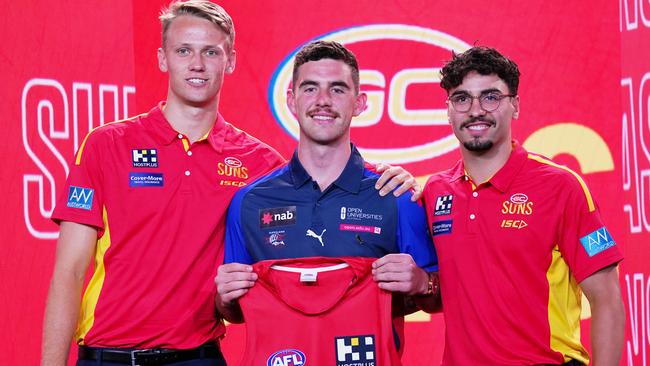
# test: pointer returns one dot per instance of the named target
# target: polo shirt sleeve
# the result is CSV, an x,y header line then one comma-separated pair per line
x,y
82,198
584,241
235,246
413,235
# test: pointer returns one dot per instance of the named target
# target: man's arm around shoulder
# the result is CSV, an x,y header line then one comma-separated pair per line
x,y
75,249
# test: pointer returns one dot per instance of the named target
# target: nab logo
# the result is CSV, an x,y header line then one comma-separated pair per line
x,y
279,216
356,350
287,357
80,197
399,91
597,241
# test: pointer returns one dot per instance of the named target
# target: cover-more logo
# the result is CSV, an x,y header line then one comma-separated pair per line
x,y
355,350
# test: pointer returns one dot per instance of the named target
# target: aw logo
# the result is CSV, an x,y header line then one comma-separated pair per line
x,y
406,117
287,357
597,241
80,197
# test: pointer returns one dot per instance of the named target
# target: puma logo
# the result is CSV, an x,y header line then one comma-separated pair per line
x,y
311,233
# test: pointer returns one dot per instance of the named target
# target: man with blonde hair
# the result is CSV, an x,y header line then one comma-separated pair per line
x,y
147,198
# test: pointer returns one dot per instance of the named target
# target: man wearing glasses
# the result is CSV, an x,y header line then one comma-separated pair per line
x,y
518,237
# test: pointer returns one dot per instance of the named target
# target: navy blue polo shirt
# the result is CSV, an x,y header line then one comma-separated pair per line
x,y
285,215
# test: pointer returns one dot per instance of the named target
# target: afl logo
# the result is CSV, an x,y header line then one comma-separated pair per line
x,y
233,162
518,198
287,357
404,99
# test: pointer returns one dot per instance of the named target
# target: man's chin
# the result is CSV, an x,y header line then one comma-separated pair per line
x,y
478,146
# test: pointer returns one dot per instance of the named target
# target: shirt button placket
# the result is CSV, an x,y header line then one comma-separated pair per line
x,y
473,212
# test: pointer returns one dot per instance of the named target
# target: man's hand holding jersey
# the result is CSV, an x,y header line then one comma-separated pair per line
x,y
233,281
399,273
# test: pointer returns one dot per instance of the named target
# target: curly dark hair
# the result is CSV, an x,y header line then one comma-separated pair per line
x,y
319,50
485,61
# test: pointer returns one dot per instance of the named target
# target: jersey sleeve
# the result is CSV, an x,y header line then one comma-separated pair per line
x,y
235,246
81,200
584,241
412,233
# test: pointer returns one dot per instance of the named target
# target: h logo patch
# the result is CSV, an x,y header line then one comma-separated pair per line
x,y
355,350
145,158
443,205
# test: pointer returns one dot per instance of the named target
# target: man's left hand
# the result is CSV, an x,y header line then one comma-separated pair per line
x,y
396,176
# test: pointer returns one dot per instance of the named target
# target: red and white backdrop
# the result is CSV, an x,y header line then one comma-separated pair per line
x,y
585,101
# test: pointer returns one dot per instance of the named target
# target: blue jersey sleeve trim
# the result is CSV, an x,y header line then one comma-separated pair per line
x,y
412,233
235,249
235,246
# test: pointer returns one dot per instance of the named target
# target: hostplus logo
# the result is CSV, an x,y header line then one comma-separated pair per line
x,y
355,350
144,158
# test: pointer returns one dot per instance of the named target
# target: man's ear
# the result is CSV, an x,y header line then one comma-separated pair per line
x,y
162,60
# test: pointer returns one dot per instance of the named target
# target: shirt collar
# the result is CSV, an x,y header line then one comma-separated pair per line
x,y
502,179
165,134
349,180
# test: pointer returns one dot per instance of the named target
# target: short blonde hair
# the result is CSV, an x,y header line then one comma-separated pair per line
x,y
199,8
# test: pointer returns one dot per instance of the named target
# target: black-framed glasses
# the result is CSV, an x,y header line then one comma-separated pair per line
x,y
489,102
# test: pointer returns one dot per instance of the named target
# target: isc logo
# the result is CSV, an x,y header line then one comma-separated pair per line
x,y
391,82
287,357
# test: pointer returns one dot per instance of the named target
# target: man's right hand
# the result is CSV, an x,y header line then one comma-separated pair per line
x,y
233,281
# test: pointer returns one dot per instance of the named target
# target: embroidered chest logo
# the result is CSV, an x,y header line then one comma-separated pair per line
x,y
278,216
137,179
144,158
441,227
443,205
311,233
276,238
232,172
356,213
518,204
356,350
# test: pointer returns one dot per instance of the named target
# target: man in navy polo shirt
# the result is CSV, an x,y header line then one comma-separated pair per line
x,y
322,203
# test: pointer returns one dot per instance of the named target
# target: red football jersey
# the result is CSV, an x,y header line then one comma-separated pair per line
x,y
317,311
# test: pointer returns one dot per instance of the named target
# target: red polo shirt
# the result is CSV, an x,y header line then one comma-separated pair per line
x,y
511,254
159,205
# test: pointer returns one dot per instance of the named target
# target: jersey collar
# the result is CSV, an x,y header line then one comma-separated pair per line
x,y
165,134
502,179
349,180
